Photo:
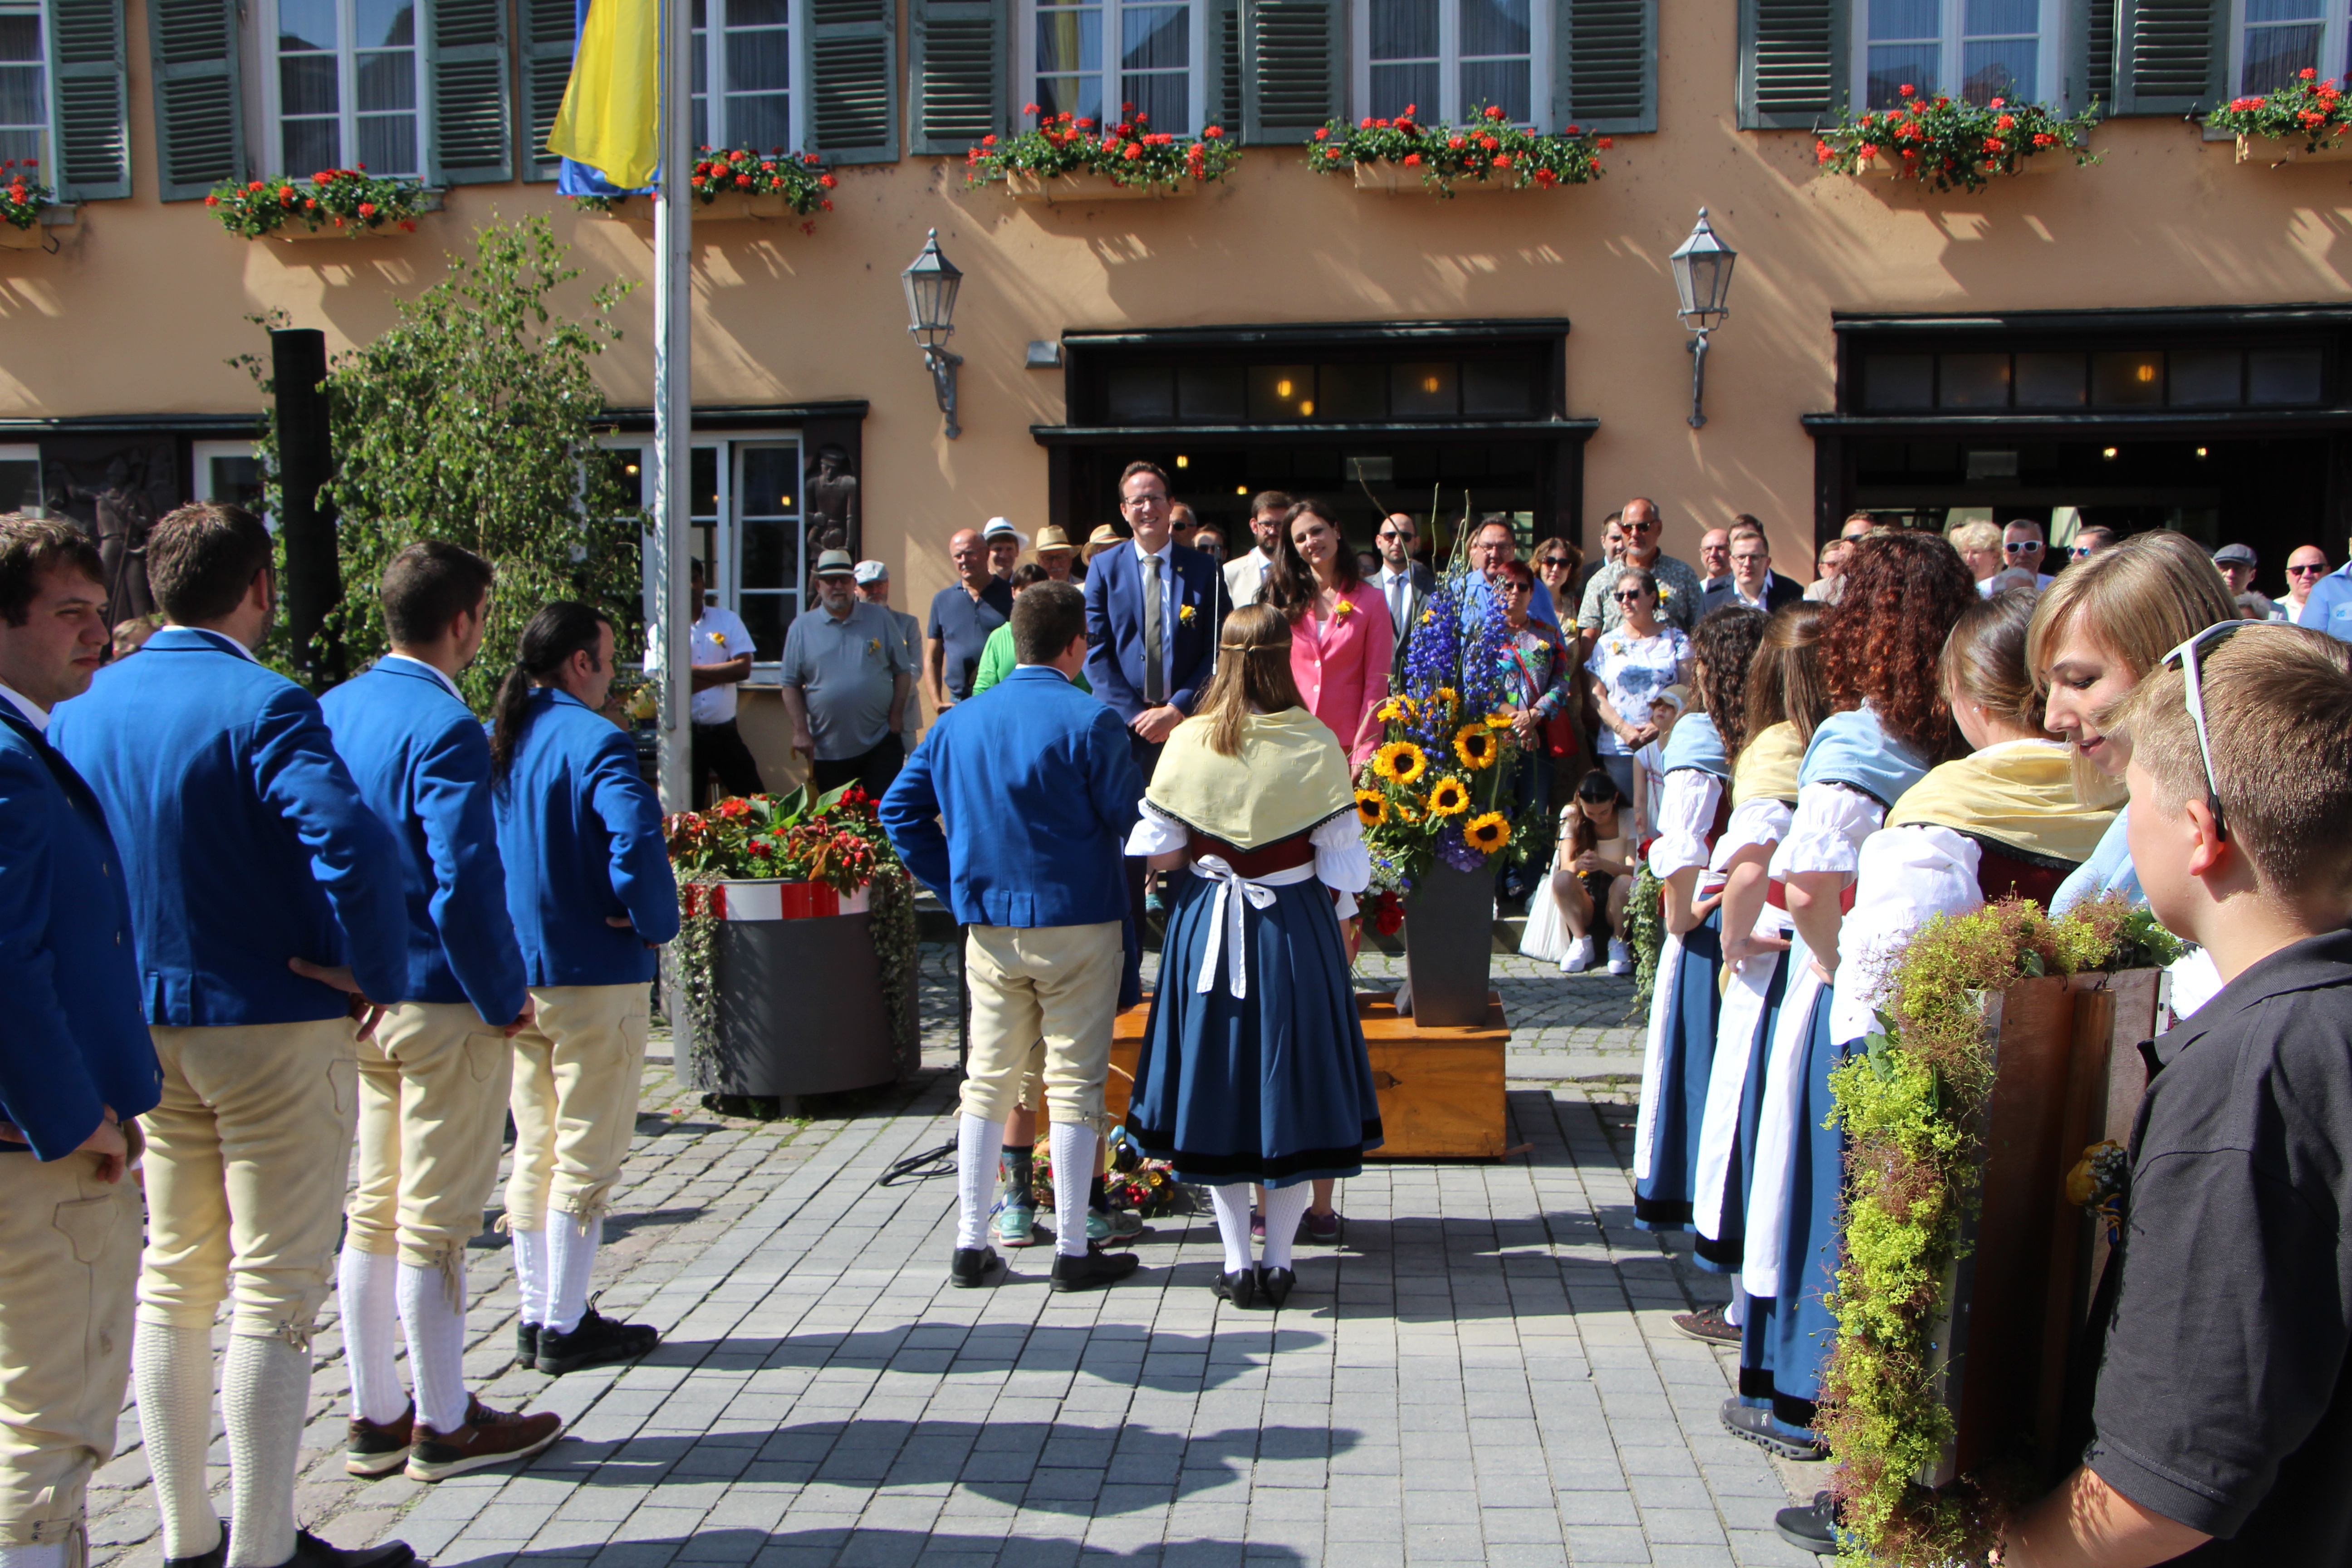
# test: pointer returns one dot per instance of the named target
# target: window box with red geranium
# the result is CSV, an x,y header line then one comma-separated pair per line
x,y
1947,144
332,204
26,208
740,182
1490,153
2304,122
1065,159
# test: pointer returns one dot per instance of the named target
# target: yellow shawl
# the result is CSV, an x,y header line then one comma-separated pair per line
x,y
1289,776
1768,768
2021,796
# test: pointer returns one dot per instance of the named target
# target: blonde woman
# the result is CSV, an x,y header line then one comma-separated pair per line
x,y
1980,547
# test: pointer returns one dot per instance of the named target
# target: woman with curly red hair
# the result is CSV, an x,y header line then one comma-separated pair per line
x,y
1882,645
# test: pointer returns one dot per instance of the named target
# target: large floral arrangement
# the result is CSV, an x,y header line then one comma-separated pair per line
x,y
1912,1105
349,199
1438,788
1490,150
832,839
24,195
1949,144
2308,110
1129,153
800,179
1135,1182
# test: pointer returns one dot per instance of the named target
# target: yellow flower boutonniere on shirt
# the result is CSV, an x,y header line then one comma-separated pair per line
x,y
719,638
872,645
1347,607
1665,591
1186,616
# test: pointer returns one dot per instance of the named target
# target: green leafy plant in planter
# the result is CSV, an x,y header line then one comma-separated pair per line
x,y
1911,1105
1947,144
349,199
1489,150
1128,153
24,195
1646,938
800,178
2306,111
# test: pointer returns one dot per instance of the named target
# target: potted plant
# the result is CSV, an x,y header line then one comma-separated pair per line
x,y
741,182
332,204
1490,153
1065,159
2302,122
793,971
26,205
1945,144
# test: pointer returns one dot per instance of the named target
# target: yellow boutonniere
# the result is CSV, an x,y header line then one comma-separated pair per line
x,y
1185,616
1347,607
718,637
872,645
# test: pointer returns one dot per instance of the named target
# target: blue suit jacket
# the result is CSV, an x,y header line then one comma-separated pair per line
x,y
1037,783
581,834
245,841
1114,590
423,764
76,1040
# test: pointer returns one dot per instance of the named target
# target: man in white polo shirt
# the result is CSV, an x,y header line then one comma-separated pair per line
x,y
721,659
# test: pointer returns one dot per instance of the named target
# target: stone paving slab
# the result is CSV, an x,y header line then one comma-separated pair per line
x,y
1483,1371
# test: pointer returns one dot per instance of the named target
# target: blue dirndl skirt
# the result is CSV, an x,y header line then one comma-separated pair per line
x,y
1661,1201
1274,1086
1722,1253
1784,1346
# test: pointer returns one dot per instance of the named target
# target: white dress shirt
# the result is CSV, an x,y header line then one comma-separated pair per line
x,y
438,674
34,714
1168,602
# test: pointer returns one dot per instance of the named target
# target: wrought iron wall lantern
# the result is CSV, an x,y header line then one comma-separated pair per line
x,y
1703,281
931,283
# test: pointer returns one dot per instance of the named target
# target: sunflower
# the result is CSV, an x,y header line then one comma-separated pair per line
x,y
1488,833
1448,696
1405,811
1396,709
1401,762
1371,807
1450,798
1498,721
1475,745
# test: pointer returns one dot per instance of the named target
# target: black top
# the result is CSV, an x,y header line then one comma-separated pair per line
x,y
2224,1400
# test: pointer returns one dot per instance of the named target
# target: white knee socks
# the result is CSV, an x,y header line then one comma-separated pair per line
x,y
173,1374
436,1343
531,1273
976,1145
47,1555
570,1259
1075,1148
367,1286
1285,1207
264,1395
1231,1203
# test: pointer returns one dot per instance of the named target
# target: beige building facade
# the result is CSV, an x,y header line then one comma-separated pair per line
x,y
2154,340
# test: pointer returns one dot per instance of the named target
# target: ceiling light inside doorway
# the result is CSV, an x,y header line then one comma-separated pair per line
x,y
1182,461
1241,489
2109,453
1307,407
2200,451
1282,389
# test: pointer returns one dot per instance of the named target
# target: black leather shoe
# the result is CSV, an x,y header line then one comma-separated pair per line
x,y
596,1341
309,1551
216,1558
1273,1286
526,1343
1240,1288
972,1267
1814,1528
1092,1269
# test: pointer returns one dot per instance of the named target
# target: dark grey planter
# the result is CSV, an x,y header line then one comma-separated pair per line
x,y
1449,939
799,1011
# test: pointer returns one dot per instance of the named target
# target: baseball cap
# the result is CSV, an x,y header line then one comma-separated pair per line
x,y
2237,554
871,572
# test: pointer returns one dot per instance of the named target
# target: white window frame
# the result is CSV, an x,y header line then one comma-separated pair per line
x,y
47,127
2333,29
1450,106
714,64
346,96
2049,60
28,452
723,567
200,464
1196,104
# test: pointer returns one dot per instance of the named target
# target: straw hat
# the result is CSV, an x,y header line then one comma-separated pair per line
x,y
1052,537
1102,538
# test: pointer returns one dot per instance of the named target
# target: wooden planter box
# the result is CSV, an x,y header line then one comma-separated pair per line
x,y
1396,180
1086,189
294,234
733,208
36,238
2277,153
2046,161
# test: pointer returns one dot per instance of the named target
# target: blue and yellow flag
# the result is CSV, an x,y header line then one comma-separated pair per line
x,y
610,116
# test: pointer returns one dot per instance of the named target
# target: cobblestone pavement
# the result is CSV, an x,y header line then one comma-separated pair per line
x,y
1484,1371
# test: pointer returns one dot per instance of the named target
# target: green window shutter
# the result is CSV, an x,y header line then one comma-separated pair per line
x,y
854,80
199,127
548,34
1792,63
1294,67
92,154
2094,38
956,65
1605,66
2172,56
468,139
1221,91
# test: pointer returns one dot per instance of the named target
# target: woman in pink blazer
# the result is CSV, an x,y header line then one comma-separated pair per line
x,y
1340,639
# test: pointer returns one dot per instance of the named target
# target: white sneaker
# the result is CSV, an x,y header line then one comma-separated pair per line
x,y
1579,956
1621,961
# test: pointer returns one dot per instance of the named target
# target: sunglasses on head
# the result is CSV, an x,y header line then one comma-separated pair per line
x,y
2189,660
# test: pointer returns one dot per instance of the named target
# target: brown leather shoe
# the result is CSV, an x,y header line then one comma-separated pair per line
x,y
372,1450
488,1438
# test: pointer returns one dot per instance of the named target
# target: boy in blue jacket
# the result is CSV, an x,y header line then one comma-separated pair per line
x,y
262,891
75,1062
432,1075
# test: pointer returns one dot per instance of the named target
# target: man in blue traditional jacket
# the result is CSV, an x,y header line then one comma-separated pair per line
x,y
433,1076
75,1062
254,869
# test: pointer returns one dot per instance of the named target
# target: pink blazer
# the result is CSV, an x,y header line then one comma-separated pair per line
x,y
1341,667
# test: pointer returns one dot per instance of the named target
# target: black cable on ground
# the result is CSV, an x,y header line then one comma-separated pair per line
x,y
941,1160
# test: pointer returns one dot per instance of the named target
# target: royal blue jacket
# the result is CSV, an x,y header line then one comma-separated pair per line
x,y
1038,785
76,1041
581,834
423,764
1114,591
245,841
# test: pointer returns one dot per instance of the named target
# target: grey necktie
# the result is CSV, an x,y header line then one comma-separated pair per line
x,y
1155,677
1396,602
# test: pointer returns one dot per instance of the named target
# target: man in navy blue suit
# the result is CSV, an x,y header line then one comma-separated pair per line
x,y
1152,611
434,1074
261,887
1038,789
75,1062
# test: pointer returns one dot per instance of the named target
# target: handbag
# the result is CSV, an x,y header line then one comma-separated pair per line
x,y
1560,736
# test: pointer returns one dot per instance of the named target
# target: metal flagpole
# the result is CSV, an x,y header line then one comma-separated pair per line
x,y
674,406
